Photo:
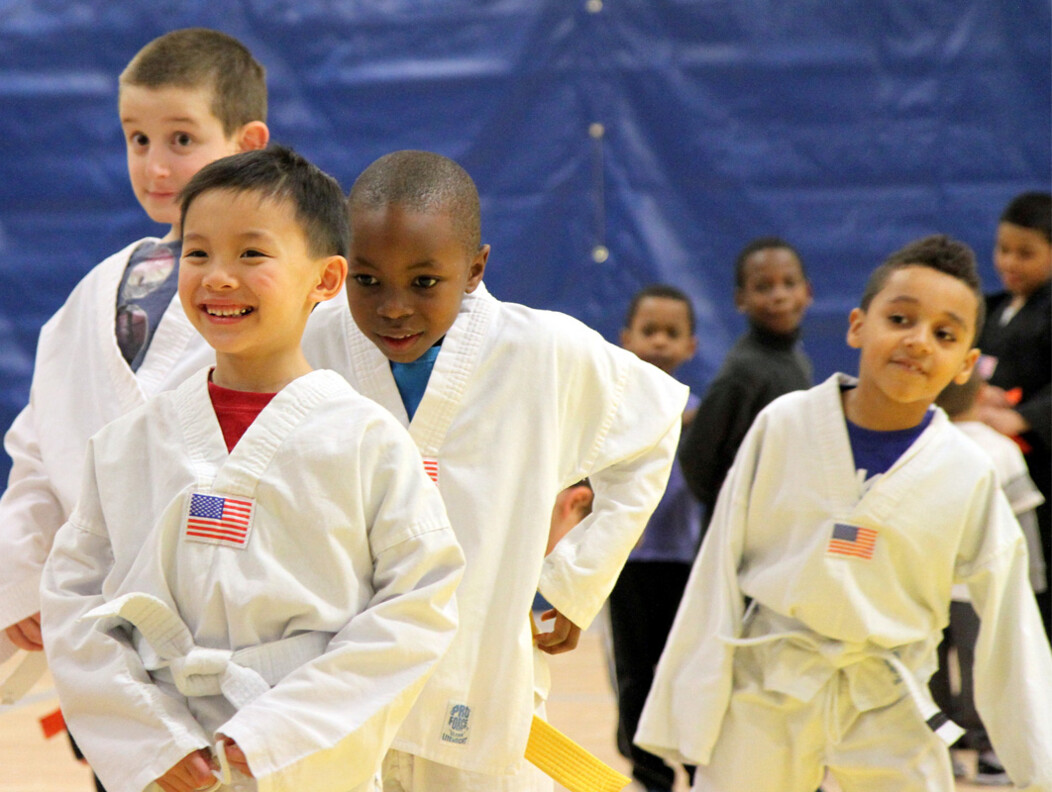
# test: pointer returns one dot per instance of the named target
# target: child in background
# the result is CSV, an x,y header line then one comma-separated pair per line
x,y
772,290
281,584
959,402
508,406
1017,350
660,329
186,99
851,510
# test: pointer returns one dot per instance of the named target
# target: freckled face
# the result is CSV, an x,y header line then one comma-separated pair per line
x,y
170,134
409,272
915,338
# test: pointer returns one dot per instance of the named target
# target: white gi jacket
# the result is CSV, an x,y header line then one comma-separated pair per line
x,y
348,552
80,383
520,404
939,517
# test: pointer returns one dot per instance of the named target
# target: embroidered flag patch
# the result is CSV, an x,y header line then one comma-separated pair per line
x,y
850,540
214,519
431,468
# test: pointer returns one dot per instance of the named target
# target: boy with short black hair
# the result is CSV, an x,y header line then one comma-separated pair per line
x,y
659,327
772,291
508,406
281,584
851,510
187,98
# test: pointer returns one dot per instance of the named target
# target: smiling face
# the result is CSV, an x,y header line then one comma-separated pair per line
x,y
915,338
1023,258
774,292
248,282
408,273
660,333
170,134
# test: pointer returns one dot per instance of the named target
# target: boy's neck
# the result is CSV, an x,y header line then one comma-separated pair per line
x,y
173,235
238,374
774,337
866,407
971,414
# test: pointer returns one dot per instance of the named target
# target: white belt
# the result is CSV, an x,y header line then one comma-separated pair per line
x,y
841,656
29,669
239,676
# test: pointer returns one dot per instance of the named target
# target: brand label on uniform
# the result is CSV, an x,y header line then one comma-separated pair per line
x,y
457,725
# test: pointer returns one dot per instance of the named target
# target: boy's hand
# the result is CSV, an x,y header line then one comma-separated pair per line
x,y
190,774
563,637
1004,419
235,756
26,633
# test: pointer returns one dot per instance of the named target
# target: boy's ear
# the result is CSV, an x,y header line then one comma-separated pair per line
x,y
739,300
253,136
478,268
854,327
965,373
331,278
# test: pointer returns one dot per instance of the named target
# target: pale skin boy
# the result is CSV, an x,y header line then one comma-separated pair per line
x,y
170,133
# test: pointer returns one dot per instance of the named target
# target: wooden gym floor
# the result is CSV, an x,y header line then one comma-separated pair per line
x,y
581,704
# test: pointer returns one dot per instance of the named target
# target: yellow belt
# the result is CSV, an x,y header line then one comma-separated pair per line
x,y
559,757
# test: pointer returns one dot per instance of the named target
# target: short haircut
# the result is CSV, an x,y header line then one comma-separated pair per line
x,y
203,58
957,399
756,245
663,291
278,173
1031,210
938,252
422,181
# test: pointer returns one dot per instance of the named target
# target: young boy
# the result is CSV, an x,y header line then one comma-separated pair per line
x,y
508,406
186,99
960,405
849,513
281,583
660,328
1017,349
772,290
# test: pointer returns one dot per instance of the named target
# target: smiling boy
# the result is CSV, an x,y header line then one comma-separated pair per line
x,y
279,585
850,512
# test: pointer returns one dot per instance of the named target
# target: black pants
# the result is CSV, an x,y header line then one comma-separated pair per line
x,y
961,635
79,755
642,607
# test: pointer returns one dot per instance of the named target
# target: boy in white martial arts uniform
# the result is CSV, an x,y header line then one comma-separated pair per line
x,y
258,564
186,99
508,406
850,511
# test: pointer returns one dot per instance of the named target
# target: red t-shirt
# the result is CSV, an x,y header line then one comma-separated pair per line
x,y
236,410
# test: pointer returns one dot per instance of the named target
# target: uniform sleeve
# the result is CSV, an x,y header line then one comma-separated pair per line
x,y
327,725
30,515
1013,663
627,460
692,683
131,730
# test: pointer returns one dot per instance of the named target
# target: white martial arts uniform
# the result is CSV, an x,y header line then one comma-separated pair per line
x,y
348,564
80,383
520,404
842,632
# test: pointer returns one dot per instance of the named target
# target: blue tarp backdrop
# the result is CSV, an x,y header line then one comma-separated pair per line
x,y
665,132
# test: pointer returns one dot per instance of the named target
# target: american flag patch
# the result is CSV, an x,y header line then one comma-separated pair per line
x,y
850,540
431,468
215,519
